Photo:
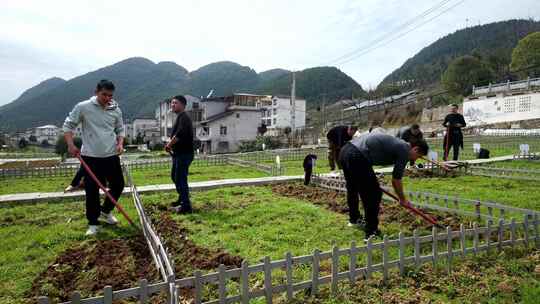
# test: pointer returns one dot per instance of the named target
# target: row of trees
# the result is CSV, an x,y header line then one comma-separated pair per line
x,y
466,71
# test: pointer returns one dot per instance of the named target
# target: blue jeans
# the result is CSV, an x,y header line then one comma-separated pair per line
x,y
179,175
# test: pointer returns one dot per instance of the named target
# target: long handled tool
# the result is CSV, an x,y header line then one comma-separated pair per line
x,y
436,163
414,210
447,144
100,185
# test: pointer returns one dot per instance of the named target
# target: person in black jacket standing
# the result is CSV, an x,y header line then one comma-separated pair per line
x,y
180,147
337,138
453,123
309,163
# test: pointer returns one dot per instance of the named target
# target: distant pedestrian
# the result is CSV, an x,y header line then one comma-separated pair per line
x,y
102,142
309,163
337,138
454,137
181,149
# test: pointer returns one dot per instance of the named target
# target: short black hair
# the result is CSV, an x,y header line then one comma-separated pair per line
x,y
422,145
105,84
180,99
415,126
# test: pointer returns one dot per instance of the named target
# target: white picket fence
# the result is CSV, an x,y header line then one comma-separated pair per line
x,y
440,247
443,247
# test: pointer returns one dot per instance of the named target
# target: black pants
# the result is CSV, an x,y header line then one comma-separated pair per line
x,y
108,171
361,180
76,181
307,175
455,147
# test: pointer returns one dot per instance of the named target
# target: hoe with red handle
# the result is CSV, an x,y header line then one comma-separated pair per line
x,y
414,210
100,185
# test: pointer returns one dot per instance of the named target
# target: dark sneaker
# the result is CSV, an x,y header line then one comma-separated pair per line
x,y
374,234
360,223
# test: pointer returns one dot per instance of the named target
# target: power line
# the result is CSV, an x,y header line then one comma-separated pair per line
x,y
399,35
397,29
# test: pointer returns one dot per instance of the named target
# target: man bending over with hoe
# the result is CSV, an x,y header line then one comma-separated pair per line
x,y
357,159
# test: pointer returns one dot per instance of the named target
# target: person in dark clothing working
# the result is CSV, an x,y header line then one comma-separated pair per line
x,y
410,134
337,138
309,163
76,183
180,147
358,158
454,138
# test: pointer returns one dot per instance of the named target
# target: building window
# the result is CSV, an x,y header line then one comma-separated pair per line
x,y
223,130
275,111
195,105
524,104
509,105
237,115
274,102
269,123
274,121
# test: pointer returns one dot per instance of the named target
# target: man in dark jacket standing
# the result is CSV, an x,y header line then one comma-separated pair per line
x,y
180,147
454,138
337,138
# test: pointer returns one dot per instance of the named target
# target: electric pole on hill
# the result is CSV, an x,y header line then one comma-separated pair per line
x,y
293,105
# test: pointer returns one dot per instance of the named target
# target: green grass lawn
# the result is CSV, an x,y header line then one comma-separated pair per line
x,y
34,234
253,222
140,177
518,164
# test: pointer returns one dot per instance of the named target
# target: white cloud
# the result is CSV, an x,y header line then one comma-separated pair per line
x,y
42,39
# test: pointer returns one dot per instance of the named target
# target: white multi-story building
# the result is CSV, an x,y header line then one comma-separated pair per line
x,y
277,114
139,125
228,121
48,133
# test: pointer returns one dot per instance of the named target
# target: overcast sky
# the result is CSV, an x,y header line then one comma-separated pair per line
x,y
66,38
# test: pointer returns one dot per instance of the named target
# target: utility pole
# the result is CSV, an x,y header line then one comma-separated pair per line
x,y
293,103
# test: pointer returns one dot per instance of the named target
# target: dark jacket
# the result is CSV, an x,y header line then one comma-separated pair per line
x,y
338,135
406,134
308,161
183,131
454,132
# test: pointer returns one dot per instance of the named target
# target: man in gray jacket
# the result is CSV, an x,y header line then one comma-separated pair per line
x,y
102,143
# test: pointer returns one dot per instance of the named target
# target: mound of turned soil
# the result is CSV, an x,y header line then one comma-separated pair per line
x,y
92,265
336,201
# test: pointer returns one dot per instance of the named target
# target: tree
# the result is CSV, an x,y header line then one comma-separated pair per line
x,y
45,143
526,56
23,143
465,72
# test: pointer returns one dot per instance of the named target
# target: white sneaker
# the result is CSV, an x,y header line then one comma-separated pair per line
x,y
108,218
70,188
92,230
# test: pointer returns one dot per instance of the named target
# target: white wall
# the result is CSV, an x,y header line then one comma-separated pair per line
x,y
239,129
501,109
282,108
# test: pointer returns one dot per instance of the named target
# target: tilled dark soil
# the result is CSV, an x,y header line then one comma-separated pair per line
x,y
187,255
92,265
21,164
390,212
